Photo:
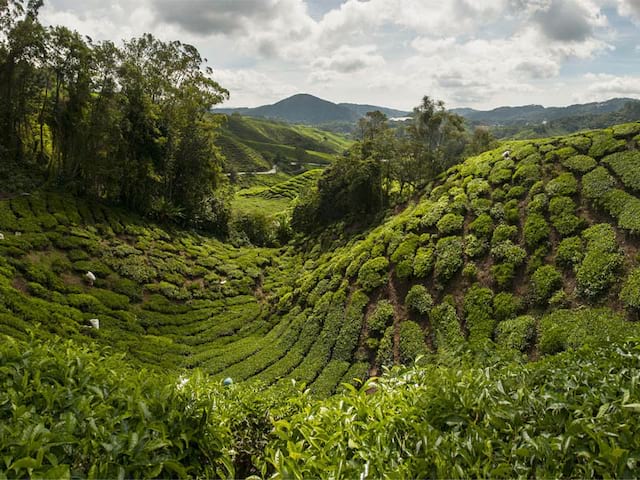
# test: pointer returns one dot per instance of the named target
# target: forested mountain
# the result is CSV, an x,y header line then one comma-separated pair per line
x,y
310,110
536,114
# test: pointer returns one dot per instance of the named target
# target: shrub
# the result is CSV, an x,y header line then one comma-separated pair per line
x,y
481,205
129,288
470,271
527,175
503,274
517,333
478,312
630,293
347,339
596,184
449,251
406,248
411,342
419,300
500,175
570,252
578,142
536,230
477,187
373,273
512,212
474,247
504,232
446,325
564,184
603,143
598,270
111,300
562,216
95,266
509,253
516,192
423,262
538,203
625,165
381,317
544,281
482,226
564,329
579,163
505,306
385,349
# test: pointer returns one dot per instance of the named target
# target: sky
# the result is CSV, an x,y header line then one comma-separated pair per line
x,y
469,53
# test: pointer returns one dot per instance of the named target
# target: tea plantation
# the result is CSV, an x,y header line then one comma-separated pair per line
x,y
509,289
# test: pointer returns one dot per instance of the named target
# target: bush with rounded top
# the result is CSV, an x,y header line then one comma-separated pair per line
x,y
423,262
482,226
579,163
419,299
563,184
373,273
381,317
545,281
630,293
506,305
450,223
570,252
449,252
536,230
517,333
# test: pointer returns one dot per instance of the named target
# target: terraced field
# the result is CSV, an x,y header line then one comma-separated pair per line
x,y
255,144
535,253
275,198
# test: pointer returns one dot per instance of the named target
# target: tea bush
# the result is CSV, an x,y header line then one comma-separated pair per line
x,y
419,300
516,333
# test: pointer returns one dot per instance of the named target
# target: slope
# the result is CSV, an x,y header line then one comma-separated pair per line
x,y
254,144
533,254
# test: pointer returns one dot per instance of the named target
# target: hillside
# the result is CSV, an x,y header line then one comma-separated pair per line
x,y
254,144
502,261
310,110
552,227
535,114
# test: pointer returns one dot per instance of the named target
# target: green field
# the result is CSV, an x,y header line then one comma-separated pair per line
x,y
512,282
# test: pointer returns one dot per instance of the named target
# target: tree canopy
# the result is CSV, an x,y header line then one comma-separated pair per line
x,y
128,124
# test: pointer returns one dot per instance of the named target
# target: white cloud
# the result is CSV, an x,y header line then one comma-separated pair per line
x,y
602,86
348,59
630,8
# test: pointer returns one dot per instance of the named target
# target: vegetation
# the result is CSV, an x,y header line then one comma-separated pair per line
x,y
134,347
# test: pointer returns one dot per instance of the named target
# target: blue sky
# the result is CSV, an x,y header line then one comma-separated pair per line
x,y
477,53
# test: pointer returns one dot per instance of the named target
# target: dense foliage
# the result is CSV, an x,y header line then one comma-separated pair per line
x,y
67,412
128,124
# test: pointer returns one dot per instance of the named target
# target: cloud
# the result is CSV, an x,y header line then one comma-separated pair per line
x,y
348,59
564,21
629,8
253,87
602,86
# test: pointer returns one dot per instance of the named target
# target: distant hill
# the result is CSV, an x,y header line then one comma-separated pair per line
x,y
256,144
310,110
535,114
362,110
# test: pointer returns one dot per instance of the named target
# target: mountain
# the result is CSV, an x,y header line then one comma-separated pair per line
x,y
362,110
308,109
534,114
